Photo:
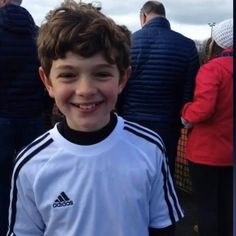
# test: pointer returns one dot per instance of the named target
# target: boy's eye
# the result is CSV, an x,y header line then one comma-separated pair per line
x,y
102,74
67,75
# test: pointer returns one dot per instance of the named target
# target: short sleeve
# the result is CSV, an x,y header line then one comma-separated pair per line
x,y
165,209
24,218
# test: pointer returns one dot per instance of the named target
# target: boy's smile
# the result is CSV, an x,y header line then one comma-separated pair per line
x,y
85,89
85,107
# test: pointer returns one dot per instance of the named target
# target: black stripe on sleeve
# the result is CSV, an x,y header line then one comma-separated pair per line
x,y
14,188
168,187
170,209
142,135
144,129
175,200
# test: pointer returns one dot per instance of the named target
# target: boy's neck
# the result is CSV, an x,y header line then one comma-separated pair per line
x,y
87,138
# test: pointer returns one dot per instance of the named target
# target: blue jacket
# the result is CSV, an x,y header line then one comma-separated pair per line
x,y
164,66
21,90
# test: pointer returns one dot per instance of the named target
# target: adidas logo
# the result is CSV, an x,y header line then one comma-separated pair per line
x,y
62,201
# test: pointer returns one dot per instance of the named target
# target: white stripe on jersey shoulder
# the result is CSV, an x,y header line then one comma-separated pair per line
x,y
145,133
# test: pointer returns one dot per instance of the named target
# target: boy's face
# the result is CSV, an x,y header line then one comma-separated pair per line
x,y
85,89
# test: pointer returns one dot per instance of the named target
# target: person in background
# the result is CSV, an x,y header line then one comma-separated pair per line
x,y
209,150
164,65
94,173
21,92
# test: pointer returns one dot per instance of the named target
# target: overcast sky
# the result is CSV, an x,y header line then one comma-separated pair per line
x,y
189,17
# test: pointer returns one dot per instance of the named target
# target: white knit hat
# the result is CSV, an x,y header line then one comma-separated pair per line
x,y
222,34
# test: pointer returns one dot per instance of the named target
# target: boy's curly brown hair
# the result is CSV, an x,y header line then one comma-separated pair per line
x,y
84,30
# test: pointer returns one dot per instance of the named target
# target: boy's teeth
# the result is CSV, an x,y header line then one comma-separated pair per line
x,y
87,107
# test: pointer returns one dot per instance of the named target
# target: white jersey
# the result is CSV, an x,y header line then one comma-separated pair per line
x,y
117,187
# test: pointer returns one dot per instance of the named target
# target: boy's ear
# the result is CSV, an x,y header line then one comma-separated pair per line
x,y
46,81
3,3
125,78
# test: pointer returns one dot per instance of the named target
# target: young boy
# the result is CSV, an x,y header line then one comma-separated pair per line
x,y
93,174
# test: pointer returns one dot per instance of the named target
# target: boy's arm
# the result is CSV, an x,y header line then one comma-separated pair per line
x,y
164,206
24,217
168,231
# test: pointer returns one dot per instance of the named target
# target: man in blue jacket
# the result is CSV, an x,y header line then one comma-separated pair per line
x,y
164,65
21,92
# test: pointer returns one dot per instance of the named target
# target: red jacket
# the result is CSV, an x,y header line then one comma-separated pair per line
x,y
210,142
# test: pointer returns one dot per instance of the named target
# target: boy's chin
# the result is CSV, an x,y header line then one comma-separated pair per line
x,y
89,123
88,127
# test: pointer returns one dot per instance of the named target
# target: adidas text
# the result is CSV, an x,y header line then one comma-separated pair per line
x,y
62,204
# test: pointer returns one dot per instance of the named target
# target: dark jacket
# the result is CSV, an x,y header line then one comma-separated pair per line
x,y
164,65
21,90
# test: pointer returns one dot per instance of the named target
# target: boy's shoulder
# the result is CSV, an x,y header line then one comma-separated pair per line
x,y
35,155
139,134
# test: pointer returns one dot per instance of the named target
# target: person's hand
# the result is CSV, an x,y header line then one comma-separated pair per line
x,y
186,124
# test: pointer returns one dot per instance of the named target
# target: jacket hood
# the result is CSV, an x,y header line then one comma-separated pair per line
x,y
17,19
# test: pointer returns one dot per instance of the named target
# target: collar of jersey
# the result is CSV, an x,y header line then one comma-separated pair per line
x,y
87,138
105,138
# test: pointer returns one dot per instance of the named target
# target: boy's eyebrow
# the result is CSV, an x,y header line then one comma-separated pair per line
x,y
64,67
105,65
98,66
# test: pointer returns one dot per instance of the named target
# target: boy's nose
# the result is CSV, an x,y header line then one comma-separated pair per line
x,y
85,87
